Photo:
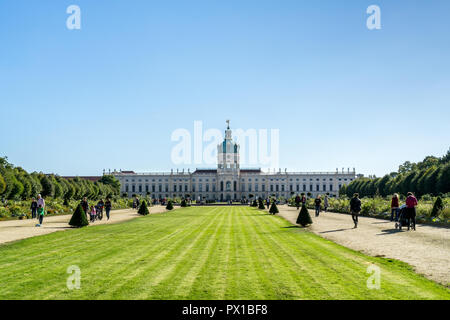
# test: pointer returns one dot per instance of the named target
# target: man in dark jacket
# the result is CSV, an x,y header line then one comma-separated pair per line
x,y
297,201
355,208
33,208
85,205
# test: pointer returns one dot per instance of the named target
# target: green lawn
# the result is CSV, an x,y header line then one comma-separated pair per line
x,y
201,253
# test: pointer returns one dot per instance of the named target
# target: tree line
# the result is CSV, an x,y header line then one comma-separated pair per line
x,y
430,176
18,184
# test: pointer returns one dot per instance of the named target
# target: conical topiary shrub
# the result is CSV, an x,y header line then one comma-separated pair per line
x,y
303,217
273,208
79,218
143,209
437,207
183,203
261,204
169,205
254,204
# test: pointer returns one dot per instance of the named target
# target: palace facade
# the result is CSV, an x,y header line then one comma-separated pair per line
x,y
229,182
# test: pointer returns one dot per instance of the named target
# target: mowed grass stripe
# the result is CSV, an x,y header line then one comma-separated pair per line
x,y
350,268
178,283
201,253
321,273
151,255
166,269
279,271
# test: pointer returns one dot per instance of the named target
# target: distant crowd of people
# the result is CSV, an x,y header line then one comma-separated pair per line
x,y
399,213
95,212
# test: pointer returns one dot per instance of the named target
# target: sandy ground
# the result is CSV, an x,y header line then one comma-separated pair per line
x,y
20,229
427,249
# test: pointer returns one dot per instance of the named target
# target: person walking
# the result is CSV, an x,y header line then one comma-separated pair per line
x,y
100,206
394,207
85,206
92,213
297,201
355,208
317,203
108,206
40,212
303,199
137,203
411,203
325,203
41,201
34,207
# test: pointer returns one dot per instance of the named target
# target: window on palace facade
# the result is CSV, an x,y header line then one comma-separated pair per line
x,y
185,188
146,188
310,187
304,187
221,185
167,188
133,188
249,187
277,188
174,188
160,188
271,188
214,188
256,187
282,188
324,187
200,187
126,188
317,188
207,187
331,187
234,186
263,188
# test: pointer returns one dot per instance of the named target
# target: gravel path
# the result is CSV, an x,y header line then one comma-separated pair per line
x,y
13,230
427,249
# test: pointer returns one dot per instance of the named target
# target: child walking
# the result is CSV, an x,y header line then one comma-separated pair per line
x,y
93,213
40,213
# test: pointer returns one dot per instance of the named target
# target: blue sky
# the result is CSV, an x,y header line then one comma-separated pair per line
x,y
110,95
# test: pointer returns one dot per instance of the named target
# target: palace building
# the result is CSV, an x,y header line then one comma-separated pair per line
x,y
229,182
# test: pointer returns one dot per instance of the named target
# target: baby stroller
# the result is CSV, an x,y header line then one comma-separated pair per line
x,y
99,212
403,220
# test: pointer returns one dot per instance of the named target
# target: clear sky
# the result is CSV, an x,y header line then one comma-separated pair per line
x,y
110,95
